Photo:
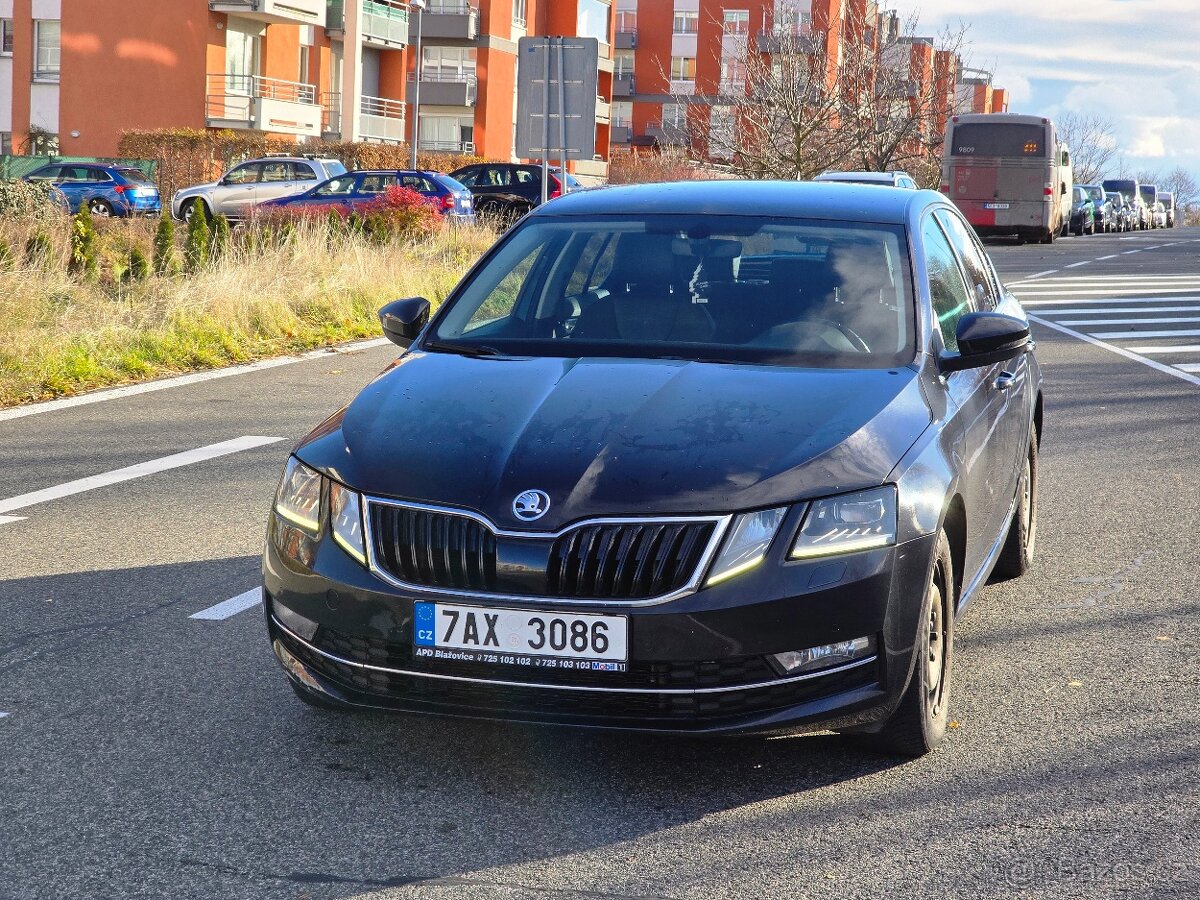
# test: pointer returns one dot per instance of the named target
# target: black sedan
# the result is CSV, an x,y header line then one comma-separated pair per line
x,y
506,191
660,464
1083,212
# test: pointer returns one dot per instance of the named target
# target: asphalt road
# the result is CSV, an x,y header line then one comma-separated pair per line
x,y
144,753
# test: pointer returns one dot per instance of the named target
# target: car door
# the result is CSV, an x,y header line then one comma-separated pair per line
x,y
975,402
1009,380
73,181
371,186
235,193
336,193
277,180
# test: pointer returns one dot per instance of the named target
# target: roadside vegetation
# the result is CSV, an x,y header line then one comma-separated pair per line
x,y
92,303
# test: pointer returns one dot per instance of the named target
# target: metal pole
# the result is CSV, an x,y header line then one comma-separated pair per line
x,y
562,118
546,122
416,112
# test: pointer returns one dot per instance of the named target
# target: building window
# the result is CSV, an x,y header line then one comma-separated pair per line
x,y
48,55
623,63
448,63
43,143
593,19
683,68
6,145
627,21
622,114
519,12
6,37
733,74
674,115
737,21
687,21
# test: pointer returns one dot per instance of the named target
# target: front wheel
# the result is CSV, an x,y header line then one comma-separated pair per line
x,y
1017,555
919,723
192,207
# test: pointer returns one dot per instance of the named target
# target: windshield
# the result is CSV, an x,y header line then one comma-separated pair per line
x,y
1095,193
334,167
135,176
1126,189
1148,192
999,139
719,289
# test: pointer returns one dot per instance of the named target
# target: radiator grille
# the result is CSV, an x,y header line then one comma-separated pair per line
x,y
433,548
627,561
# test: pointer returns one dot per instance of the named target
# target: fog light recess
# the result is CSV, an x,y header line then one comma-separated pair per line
x,y
301,626
796,662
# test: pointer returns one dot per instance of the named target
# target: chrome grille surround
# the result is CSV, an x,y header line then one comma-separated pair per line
x,y
720,526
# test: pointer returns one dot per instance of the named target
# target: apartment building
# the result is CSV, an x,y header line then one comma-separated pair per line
x,y
74,75
679,64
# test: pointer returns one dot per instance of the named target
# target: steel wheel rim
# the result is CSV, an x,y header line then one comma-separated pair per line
x,y
935,657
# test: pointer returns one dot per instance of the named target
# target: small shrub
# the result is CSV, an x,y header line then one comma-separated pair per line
x,y
195,247
399,213
32,201
85,256
38,249
138,267
165,261
221,236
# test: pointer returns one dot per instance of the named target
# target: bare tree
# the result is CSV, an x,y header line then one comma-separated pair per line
x,y
1180,183
1093,142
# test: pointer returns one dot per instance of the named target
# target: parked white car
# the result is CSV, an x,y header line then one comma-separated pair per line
x,y
888,179
252,182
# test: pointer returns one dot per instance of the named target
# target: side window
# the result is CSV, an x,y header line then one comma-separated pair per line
x,y
74,174
979,273
468,177
503,297
947,289
98,176
338,187
374,184
276,171
303,172
246,174
527,176
49,173
496,176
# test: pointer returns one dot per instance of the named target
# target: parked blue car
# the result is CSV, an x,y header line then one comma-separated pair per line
x,y
346,192
105,190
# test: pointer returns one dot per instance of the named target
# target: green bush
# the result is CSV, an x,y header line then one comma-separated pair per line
x,y
138,268
165,262
38,249
84,261
221,236
195,247
32,201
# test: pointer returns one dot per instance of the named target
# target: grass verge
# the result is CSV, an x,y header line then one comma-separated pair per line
x,y
63,334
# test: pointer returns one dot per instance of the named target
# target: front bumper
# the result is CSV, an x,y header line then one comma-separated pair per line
x,y
697,664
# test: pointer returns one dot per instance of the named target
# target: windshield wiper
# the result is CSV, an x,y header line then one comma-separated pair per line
x,y
463,349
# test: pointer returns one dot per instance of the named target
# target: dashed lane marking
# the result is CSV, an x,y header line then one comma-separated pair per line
x,y
231,607
1154,320
1134,335
1078,264
132,390
140,470
1189,367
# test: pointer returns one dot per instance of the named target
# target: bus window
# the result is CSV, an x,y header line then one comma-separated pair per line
x,y
999,139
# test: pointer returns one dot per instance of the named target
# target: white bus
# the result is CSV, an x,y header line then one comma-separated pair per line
x,y
1009,175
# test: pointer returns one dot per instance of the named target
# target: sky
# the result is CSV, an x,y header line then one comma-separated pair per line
x,y
1134,62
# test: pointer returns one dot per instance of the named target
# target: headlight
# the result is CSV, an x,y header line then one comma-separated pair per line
x,y
747,543
299,497
848,523
345,517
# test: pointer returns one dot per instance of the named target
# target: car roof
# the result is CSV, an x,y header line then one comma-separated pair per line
x,y
786,199
887,177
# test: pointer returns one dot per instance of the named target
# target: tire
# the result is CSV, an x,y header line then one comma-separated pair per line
x,y
100,208
919,723
1017,555
1049,236
190,207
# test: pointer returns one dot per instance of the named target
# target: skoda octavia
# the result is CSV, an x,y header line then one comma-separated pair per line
x,y
663,463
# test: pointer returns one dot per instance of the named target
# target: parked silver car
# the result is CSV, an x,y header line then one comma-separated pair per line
x,y
252,182
888,179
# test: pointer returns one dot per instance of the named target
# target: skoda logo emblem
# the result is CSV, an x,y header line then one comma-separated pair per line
x,y
531,505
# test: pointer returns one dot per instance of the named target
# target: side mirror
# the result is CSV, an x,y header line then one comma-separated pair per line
x,y
1064,189
985,338
402,320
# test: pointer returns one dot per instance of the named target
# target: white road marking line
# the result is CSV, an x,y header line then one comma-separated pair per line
x,y
1076,301
1077,265
1120,351
1189,367
1134,335
140,470
231,607
131,390
1084,311
1040,274
1153,320
1110,256
4,715
4,520
1104,291
1127,252
1176,348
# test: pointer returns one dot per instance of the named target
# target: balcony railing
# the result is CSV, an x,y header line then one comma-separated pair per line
x,y
623,85
267,104
384,22
627,40
450,20
381,119
300,12
447,146
446,88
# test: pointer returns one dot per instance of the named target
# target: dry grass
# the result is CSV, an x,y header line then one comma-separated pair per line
x,y
62,335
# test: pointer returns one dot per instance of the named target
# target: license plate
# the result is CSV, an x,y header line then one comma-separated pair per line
x,y
517,636
995,206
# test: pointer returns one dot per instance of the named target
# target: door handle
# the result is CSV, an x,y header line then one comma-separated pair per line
x,y
1004,381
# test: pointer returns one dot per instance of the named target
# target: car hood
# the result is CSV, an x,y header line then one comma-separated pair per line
x,y
608,436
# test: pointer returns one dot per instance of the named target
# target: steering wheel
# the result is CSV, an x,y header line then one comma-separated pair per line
x,y
569,309
851,336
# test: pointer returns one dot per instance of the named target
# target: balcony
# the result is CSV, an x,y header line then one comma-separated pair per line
x,y
450,20
626,40
682,87
264,104
467,147
441,88
620,134
786,39
384,22
623,84
603,111
668,135
294,12
380,120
